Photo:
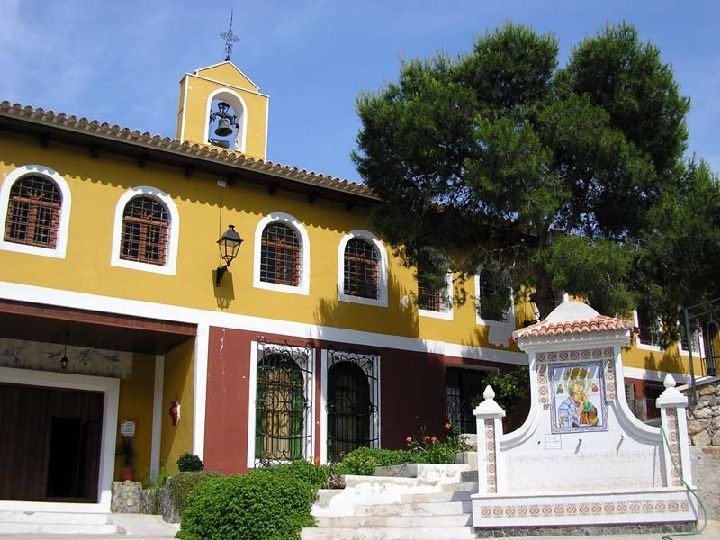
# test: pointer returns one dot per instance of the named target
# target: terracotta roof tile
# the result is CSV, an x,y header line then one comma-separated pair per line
x,y
600,323
190,149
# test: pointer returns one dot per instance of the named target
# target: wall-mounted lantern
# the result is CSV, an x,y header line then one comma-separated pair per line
x,y
64,360
229,244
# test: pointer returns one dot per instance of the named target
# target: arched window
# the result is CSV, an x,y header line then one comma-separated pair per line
x,y
145,225
280,255
33,213
361,269
35,206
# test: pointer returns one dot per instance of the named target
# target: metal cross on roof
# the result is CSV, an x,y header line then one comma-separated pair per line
x,y
229,38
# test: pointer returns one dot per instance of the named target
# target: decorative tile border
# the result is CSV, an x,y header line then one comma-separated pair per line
x,y
674,440
490,458
532,511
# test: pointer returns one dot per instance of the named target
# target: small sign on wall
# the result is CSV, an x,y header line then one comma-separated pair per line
x,y
553,442
127,428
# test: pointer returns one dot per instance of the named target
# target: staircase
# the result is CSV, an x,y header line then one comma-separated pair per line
x,y
407,502
14,522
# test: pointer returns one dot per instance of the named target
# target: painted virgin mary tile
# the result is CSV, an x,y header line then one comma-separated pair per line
x,y
578,398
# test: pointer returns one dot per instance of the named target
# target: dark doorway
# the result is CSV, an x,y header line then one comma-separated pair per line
x,y
462,386
51,440
349,410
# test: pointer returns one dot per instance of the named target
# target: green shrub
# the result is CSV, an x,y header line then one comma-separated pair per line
x,y
314,475
182,484
271,503
189,463
364,460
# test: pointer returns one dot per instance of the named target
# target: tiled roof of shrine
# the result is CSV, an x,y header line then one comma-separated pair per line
x,y
572,318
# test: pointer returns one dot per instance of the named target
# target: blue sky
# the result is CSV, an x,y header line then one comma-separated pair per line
x,y
121,61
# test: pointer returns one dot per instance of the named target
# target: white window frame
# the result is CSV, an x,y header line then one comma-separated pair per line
x,y
308,451
173,231
13,176
382,286
446,310
303,286
238,105
508,321
638,341
375,420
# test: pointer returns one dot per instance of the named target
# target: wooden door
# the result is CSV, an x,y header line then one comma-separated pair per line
x,y
49,443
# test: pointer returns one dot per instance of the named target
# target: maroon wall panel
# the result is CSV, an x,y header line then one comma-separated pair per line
x,y
226,404
412,395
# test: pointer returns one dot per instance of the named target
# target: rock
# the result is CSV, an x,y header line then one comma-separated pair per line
x,y
701,439
696,426
715,422
703,413
706,390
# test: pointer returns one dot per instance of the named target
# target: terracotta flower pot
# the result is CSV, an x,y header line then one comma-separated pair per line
x,y
127,474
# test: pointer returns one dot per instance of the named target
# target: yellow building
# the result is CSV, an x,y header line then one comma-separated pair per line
x,y
121,318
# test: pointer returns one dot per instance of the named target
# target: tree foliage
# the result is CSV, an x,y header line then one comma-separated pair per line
x,y
570,178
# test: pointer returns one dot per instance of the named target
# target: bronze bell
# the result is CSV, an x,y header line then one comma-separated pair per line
x,y
223,129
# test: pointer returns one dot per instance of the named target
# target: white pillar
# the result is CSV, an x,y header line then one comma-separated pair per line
x,y
676,445
488,418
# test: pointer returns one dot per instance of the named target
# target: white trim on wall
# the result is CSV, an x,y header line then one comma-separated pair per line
x,y
240,109
446,311
173,231
60,248
110,387
157,416
323,406
93,302
382,297
252,397
202,338
303,286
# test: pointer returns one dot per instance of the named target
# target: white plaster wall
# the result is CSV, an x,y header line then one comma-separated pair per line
x,y
601,460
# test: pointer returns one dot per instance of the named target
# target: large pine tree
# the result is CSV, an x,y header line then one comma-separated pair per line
x,y
560,178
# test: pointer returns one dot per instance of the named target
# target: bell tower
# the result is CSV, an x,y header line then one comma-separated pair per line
x,y
220,106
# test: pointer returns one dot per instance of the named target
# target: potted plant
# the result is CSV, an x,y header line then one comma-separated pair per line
x,y
126,453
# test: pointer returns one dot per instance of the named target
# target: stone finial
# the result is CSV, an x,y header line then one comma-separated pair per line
x,y
489,408
671,396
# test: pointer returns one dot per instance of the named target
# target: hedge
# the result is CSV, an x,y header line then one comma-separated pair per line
x,y
270,503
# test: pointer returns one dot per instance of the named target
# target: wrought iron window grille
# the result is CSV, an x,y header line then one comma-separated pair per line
x,y
361,269
280,251
145,225
33,215
283,425
353,402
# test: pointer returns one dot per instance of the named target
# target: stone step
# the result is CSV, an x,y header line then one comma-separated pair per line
x,y
411,522
324,496
442,496
78,529
388,533
462,486
69,518
432,508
